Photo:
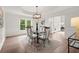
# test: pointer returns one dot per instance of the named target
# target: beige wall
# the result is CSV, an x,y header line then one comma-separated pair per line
x,y
75,24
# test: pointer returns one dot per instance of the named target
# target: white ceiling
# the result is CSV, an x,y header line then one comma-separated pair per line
x,y
46,11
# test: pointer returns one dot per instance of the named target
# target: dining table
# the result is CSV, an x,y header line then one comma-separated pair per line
x,y
39,35
42,33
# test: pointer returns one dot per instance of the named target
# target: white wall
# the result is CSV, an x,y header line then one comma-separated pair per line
x,y
12,24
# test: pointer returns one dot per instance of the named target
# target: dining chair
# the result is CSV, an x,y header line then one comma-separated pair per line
x,y
29,29
44,36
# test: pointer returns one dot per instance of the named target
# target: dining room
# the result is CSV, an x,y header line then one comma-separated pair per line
x,y
38,29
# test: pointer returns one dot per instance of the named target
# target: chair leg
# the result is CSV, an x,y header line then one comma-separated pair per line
x,y
44,43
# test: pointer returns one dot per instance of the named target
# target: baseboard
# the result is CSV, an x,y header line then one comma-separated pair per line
x,y
16,35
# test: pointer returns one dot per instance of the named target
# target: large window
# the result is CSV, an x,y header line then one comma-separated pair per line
x,y
24,23
28,23
57,22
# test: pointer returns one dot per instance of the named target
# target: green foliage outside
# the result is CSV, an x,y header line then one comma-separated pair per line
x,y
24,23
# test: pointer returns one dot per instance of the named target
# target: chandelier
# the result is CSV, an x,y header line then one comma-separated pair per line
x,y
36,15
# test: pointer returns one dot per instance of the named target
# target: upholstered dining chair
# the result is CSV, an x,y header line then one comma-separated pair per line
x,y
30,32
44,36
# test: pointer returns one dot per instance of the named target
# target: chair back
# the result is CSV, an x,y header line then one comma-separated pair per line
x,y
29,28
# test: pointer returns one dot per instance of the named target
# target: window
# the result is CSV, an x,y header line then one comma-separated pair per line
x,y
28,23
24,23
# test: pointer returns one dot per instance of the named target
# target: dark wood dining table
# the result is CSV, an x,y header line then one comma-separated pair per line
x,y
38,33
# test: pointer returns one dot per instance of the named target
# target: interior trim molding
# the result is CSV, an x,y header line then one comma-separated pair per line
x,y
15,35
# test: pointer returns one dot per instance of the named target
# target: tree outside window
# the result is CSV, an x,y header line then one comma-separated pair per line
x,y
24,23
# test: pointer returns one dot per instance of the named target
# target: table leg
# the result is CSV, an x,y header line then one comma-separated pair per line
x,y
37,32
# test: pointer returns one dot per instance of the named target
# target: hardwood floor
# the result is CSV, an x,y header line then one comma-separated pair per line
x,y
20,44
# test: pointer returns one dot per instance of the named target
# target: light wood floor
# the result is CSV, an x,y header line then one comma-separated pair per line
x,y
20,44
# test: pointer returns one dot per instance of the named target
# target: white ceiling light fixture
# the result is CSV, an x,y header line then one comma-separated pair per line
x,y
36,15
